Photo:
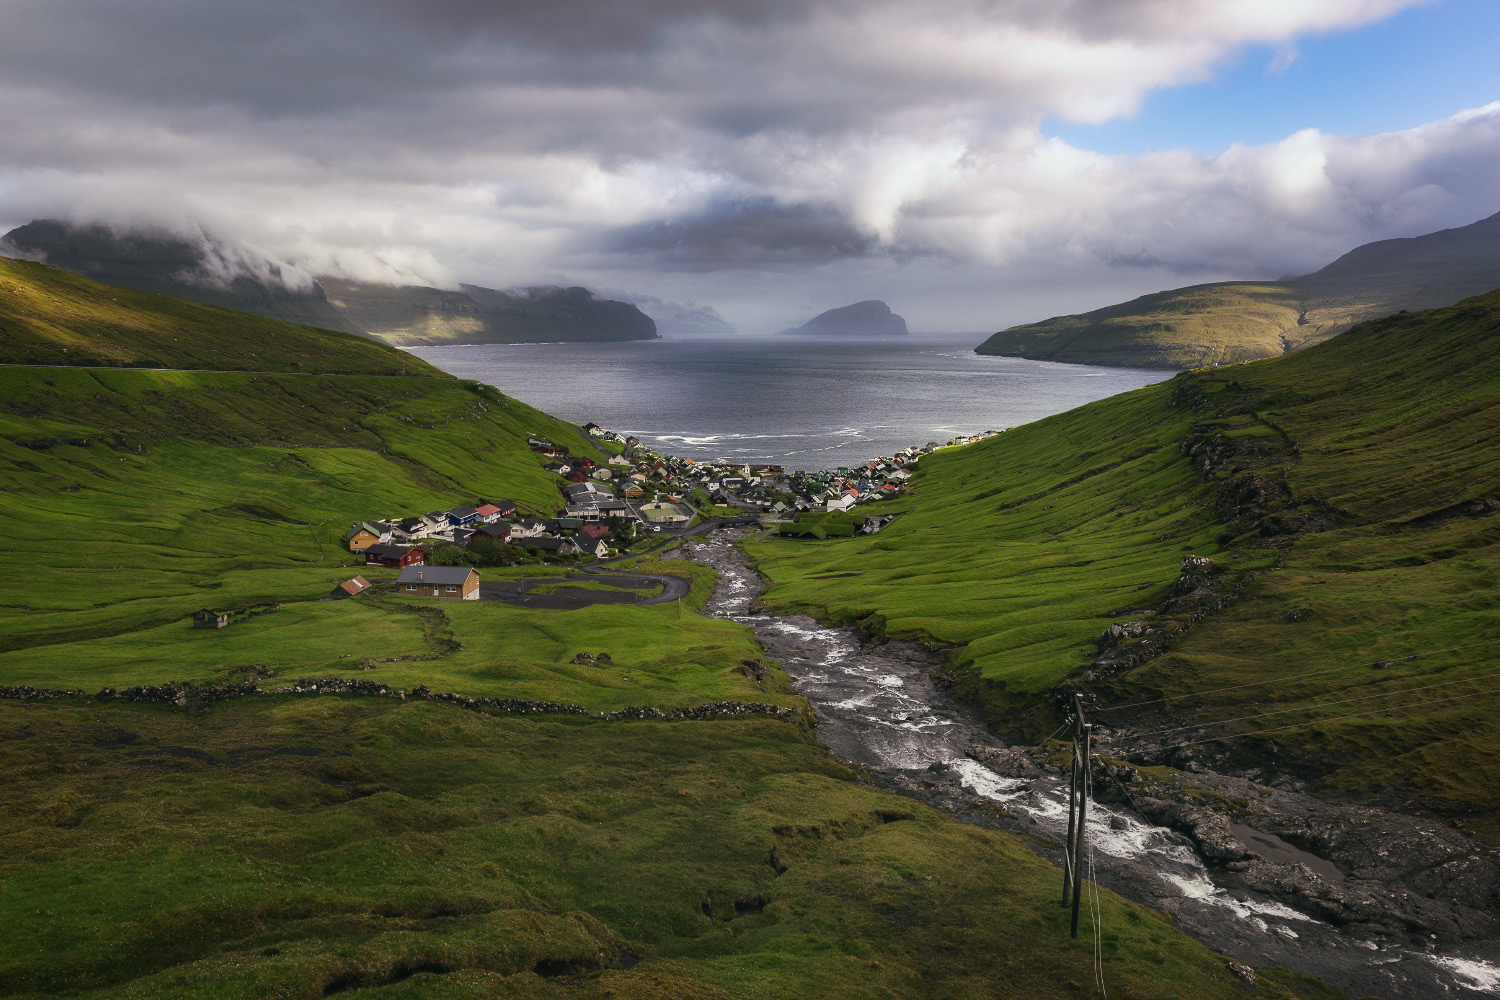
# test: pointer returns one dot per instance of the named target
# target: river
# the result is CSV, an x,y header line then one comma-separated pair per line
x,y
879,708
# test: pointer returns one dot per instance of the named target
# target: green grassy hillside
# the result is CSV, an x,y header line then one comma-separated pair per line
x,y
1183,328
1348,495
305,846
49,316
1236,321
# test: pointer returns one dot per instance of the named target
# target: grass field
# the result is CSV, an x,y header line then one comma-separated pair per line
x,y
225,490
309,847
1364,467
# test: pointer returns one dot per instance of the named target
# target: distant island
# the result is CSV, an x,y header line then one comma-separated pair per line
x,y
871,318
218,272
1232,321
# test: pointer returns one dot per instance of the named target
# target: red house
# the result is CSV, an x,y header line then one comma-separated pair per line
x,y
395,556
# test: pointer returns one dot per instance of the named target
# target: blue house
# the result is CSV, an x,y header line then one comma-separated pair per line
x,y
460,517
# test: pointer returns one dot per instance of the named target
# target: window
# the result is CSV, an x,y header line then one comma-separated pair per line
x,y
452,589
411,586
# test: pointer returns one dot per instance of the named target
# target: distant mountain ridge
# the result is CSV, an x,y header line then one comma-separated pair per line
x,y
410,315
220,273
1232,321
870,318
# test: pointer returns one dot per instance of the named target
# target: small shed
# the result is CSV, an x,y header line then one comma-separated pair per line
x,y
350,588
210,619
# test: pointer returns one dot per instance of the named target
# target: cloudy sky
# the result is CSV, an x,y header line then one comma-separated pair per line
x,y
976,163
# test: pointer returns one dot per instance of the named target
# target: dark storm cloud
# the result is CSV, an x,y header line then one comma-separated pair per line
x,y
573,24
753,233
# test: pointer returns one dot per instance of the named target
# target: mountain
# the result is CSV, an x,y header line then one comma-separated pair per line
x,y
1348,497
871,318
219,272
409,315
209,270
1232,321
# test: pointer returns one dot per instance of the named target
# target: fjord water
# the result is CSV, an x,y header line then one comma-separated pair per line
x,y
805,404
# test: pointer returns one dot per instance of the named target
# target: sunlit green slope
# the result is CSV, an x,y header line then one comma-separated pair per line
x,y
1235,321
1349,495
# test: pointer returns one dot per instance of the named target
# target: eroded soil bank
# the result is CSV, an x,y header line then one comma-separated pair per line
x,y
1371,902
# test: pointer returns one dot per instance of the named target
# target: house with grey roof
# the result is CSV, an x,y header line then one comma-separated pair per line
x,y
454,582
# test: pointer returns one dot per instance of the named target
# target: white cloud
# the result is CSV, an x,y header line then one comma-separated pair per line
x,y
513,143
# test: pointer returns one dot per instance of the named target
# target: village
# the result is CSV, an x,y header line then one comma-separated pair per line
x,y
621,503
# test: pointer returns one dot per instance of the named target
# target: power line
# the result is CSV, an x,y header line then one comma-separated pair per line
x,y
1300,708
1280,680
1096,910
1315,722
1045,739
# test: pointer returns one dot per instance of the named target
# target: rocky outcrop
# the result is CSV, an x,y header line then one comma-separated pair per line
x,y
1200,590
1346,864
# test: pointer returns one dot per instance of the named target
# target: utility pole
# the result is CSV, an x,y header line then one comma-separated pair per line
x,y
1078,809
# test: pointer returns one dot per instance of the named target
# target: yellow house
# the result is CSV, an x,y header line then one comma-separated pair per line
x,y
361,537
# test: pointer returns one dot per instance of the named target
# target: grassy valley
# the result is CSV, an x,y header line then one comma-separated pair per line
x,y
1233,321
1347,497
306,845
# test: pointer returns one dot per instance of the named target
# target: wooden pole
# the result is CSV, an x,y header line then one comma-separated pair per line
x,y
1072,819
1083,812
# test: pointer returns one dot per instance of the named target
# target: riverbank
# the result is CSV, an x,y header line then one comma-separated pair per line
x,y
1359,929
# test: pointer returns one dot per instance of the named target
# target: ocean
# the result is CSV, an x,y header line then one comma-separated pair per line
x,y
804,404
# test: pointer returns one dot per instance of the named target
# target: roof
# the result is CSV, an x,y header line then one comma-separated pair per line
x,y
362,526
355,585
441,575
384,551
463,512
486,510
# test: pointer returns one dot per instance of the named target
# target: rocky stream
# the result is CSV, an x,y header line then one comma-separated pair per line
x,y
1390,906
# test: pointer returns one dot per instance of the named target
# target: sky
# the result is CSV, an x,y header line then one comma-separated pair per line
x,y
975,163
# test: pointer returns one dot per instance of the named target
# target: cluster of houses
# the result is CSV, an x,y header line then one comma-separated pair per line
x,y
411,541
623,495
